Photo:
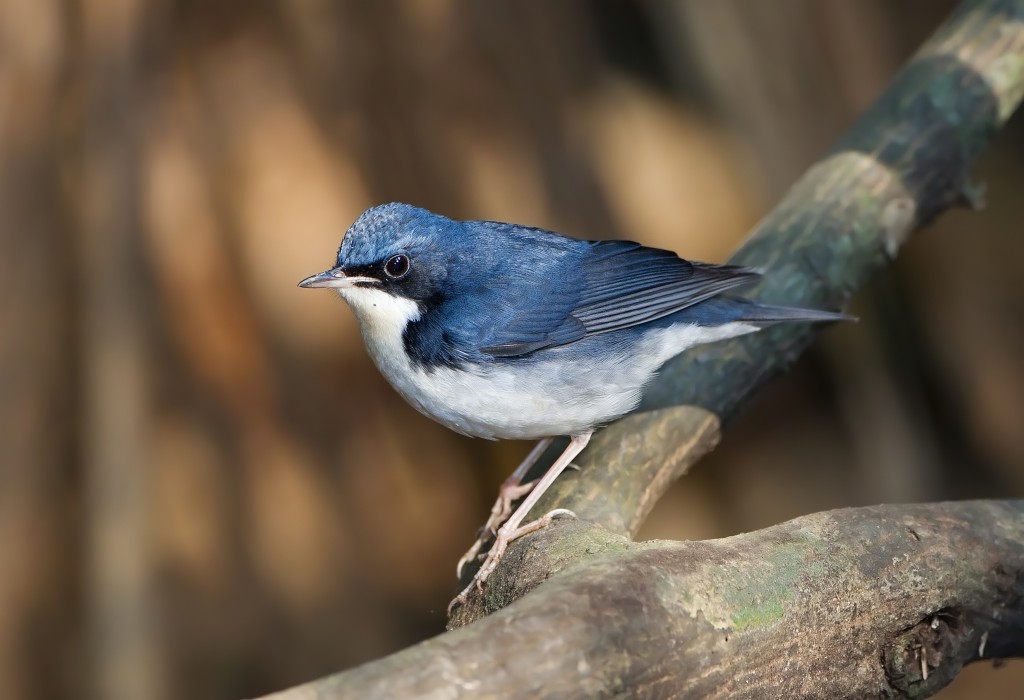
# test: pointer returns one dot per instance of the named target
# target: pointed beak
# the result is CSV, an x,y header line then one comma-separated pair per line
x,y
336,278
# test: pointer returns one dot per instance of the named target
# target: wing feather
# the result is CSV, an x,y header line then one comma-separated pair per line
x,y
627,284
615,285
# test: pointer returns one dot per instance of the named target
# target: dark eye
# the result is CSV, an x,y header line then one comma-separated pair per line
x,y
397,266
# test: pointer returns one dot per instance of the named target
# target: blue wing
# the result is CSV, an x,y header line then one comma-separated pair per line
x,y
627,284
599,287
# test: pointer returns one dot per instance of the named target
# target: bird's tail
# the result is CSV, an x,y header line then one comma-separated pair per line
x,y
726,309
753,312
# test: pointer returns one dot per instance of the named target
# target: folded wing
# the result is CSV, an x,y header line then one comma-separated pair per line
x,y
614,285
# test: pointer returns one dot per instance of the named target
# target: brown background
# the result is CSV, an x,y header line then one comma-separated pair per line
x,y
206,491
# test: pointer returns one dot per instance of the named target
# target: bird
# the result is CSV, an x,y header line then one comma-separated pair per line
x,y
503,331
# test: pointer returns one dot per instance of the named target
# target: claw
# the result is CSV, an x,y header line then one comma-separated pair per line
x,y
505,536
460,599
507,495
502,508
471,554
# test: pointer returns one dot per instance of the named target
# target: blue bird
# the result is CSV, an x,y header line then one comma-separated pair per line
x,y
497,330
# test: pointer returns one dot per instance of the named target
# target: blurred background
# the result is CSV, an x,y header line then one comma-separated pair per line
x,y
207,491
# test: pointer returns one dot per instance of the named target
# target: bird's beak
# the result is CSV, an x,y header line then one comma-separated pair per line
x,y
336,278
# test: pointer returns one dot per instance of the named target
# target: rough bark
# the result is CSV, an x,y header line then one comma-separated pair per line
x,y
869,602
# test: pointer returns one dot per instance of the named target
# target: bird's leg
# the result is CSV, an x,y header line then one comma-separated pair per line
x,y
511,530
511,489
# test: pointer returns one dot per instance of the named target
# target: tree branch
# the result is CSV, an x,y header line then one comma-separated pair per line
x,y
866,602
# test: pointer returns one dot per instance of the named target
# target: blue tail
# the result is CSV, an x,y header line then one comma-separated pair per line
x,y
753,312
723,309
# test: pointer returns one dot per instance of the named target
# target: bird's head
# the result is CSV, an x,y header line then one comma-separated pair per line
x,y
394,259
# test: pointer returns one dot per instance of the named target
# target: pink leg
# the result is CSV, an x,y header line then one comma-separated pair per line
x,y
511,489
511,530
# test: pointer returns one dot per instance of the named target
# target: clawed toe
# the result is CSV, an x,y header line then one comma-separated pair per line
x,y
503,538
507,495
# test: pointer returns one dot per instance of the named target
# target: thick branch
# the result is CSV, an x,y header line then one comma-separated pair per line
x,y
867,602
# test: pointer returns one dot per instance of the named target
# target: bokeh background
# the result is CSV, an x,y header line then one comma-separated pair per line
x,y
206,490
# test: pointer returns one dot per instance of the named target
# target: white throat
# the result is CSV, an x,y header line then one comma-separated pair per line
x,y
382,320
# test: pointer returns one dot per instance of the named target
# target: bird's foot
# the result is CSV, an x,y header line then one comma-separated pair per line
x,y
503,538
509,492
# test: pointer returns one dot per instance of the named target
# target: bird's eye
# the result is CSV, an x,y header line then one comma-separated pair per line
x,y
397,266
